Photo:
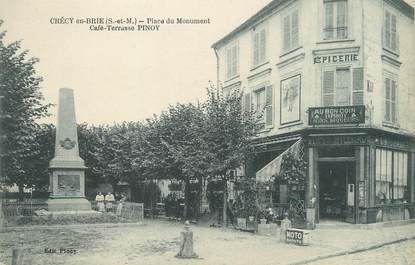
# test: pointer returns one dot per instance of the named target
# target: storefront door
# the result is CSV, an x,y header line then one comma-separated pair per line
x,y
337,191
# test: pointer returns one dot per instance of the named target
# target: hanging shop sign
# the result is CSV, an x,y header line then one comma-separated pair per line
x,y
336,115
336,58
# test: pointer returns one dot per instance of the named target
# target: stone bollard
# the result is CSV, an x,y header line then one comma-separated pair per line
x,y
285,224
18,254
186,246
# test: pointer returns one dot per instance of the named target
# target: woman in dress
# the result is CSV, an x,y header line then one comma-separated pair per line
x,y
100,202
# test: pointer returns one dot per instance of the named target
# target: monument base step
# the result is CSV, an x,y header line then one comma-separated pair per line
x,y
69,205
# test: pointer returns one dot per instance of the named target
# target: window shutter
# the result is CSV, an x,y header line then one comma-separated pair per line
x,y
393,101
387,99
287,36
269,119
393,41
341,19
294,29
358,84
234,60
247,101
387,30
328,27
393,32
255,48
262,51
328,88
228,62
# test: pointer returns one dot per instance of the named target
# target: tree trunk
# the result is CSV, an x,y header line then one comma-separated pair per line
x,y
186,198
21,192
200,192
225,201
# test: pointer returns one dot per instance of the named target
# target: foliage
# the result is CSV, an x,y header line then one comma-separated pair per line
x,y
228,131
246,202
21,105
175,186
214,195
293,170
172,204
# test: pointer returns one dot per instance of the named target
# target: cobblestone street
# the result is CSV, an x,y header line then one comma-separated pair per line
x,y
396,254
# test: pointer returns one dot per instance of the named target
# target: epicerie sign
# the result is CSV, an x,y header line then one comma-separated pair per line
x,y
296,236
336,58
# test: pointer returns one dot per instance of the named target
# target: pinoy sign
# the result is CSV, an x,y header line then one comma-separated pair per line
x,y
336,115
336,58
297,236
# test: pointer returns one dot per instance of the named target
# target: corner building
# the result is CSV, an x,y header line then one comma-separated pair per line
x,y
339,75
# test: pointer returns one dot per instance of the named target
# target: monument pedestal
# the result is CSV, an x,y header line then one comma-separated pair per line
x,y
67,185
68,204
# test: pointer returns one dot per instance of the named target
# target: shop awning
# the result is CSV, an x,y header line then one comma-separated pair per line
x,y
272,168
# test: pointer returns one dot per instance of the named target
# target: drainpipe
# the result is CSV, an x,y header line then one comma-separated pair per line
x,y
217,67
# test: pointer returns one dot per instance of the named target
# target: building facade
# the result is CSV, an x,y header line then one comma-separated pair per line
x,y
340,76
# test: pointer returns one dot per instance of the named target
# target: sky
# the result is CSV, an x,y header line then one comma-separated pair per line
x,y
117,75
123,76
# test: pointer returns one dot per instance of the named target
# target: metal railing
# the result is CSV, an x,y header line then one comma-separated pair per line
x,y
15,210
128,210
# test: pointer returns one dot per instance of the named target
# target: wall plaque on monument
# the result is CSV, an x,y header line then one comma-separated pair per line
x,y
67,179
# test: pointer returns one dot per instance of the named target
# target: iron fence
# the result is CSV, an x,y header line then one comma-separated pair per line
x,y
11,211
128,210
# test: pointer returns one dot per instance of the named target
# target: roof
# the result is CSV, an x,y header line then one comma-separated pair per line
x,y
401,5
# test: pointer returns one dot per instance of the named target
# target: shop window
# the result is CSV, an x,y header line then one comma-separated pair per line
x,y
335,19
390,32
291,31
391,176
259,39
232,61
342,88
390,99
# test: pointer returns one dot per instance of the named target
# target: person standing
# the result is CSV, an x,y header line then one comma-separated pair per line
x,y
109,200
120,205
100,201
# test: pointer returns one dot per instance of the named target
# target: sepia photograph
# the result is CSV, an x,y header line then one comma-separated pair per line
x,y
216,132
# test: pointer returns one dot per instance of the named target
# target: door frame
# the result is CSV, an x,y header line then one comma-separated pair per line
x,y
320,160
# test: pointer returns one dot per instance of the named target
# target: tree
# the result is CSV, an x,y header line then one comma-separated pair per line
x,y
179,146
21,106
228,132
36,163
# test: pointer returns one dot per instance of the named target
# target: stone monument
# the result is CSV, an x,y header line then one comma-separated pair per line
x,y
67,179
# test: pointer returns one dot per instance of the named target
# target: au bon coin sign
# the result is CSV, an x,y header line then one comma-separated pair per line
x,y
336,115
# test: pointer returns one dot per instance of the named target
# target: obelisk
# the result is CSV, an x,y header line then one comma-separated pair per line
x,y
67,178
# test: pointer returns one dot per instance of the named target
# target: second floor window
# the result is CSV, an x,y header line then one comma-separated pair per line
x,y
291,31
335,19
390,32
262,103
232,61
343,87
259,38
390,99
